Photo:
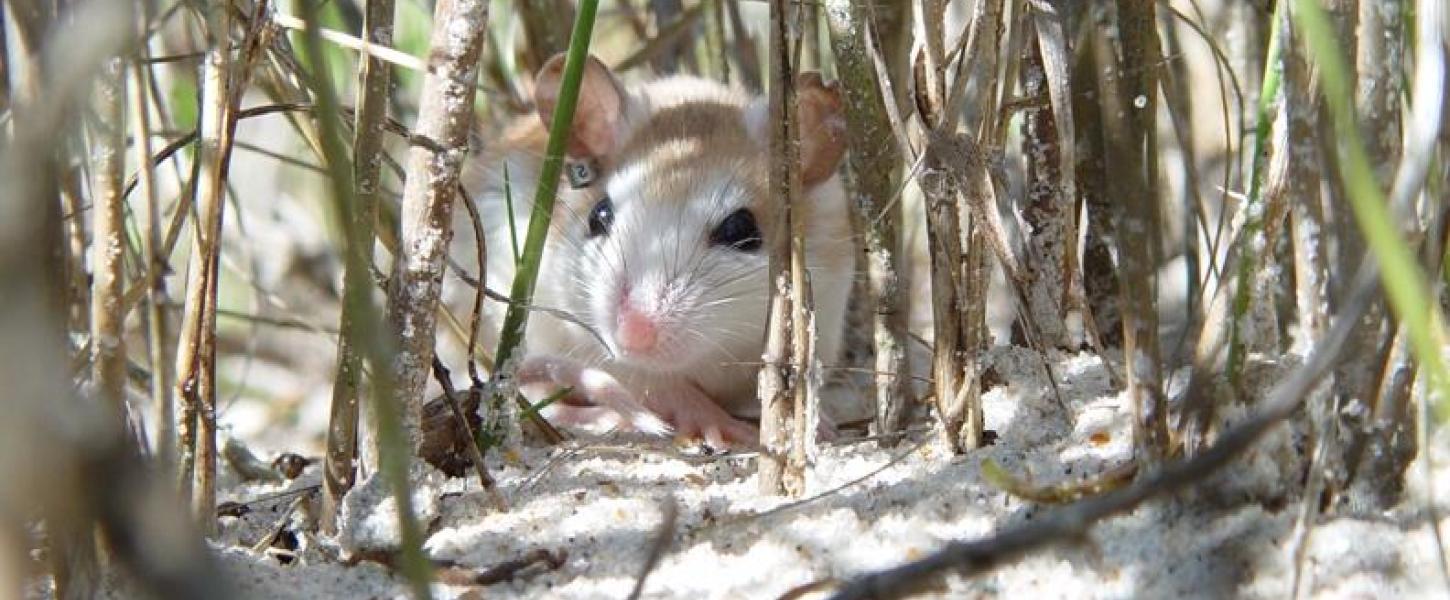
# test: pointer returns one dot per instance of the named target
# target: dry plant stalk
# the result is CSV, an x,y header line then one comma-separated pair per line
x,y
370,119
444,117
957,302
393,452
1254,322
158,333
279,76
1378,68
1352,375
1306,213
1248,322
1049,27
982,231
1047,265
786,392
1127,107
872,168
1178,101
73,197
222,84
196,350
953,381
1380,63
1099,276
108,318
1377,473
961,222
805,386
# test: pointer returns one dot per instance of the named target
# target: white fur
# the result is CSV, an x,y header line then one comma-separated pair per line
x,y
714,298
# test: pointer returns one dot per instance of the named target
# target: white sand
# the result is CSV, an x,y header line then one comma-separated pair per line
x,y
601,502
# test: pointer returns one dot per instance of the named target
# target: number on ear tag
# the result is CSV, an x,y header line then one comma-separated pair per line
x,y
581,173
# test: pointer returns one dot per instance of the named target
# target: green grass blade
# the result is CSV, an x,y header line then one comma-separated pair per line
x,y
508,199
516,319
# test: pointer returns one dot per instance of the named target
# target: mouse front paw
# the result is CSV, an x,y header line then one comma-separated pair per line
x,y
694,415
719,432
590,390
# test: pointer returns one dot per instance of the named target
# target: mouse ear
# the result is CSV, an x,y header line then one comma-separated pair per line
x,y
597,116
821,114
823,127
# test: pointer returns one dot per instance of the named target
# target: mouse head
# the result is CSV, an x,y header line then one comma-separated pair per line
x,y
666,248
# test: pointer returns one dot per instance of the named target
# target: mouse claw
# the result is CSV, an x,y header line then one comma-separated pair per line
x,y
716,428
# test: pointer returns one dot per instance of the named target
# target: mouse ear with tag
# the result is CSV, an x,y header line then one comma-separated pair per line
x,y
598,115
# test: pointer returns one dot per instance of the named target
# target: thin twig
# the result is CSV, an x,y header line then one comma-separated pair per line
x,y
503,571
475,316
278,526
369,48
733,523
659,544
475,453
153,266
374,85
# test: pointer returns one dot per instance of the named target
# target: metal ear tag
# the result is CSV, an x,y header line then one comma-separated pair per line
x,y
581,173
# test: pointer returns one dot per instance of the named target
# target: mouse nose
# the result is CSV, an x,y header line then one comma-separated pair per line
x,y
635,331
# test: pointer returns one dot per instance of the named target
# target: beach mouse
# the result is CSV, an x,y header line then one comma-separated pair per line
x,y
657,247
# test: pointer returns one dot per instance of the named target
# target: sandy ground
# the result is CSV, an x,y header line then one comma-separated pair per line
x,y
599,503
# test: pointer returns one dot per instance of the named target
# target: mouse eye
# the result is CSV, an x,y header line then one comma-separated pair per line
x,y
601,217
737,231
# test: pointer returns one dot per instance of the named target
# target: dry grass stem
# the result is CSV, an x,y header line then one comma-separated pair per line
x,y
779,470
1127,109
196,426
376,49
108,320
157,318
446,110
872,173
370,118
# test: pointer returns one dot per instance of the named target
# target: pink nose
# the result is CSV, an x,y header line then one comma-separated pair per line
x,y
636,332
